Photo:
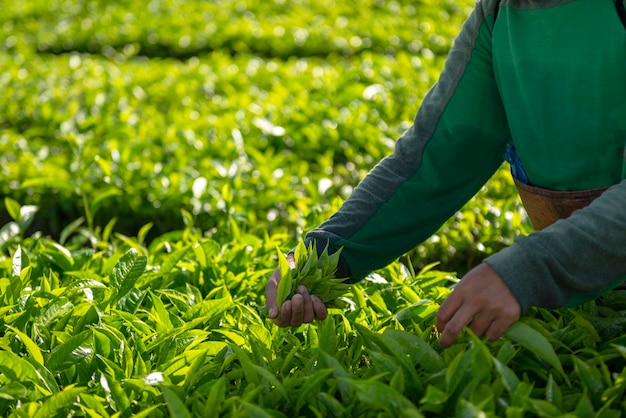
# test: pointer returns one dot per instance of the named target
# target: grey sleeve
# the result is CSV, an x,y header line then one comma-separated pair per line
x,y
583,254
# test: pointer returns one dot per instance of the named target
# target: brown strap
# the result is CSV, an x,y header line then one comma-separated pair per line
x,y
544,206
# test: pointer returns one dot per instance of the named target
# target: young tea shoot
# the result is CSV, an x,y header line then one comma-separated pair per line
x,y
314,271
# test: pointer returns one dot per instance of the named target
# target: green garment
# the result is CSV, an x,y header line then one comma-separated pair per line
x,y
549,75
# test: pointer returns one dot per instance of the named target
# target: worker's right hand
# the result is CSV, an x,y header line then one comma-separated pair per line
x,y
303,307
483,302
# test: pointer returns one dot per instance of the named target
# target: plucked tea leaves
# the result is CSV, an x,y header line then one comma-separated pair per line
x,y
313,270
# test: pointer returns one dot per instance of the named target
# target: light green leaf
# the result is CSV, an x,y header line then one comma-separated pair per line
x,y
160,314
70,229
30,345
284,286
208,309
59,255
113,386
17,368
54,310
27,216
126,272
68,353
172,259
58,402
13,208
48,182
17,262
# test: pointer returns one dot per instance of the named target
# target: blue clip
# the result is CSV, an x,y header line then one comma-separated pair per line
x,y
517,169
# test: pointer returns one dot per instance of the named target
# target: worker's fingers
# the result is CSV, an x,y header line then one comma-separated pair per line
x,y
480,324
270,294
297,311
499,326
309,313
451,329
302,308
447,309
482,300
285,315
291,259
319,308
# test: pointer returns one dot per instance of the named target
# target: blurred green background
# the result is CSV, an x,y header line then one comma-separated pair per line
x,y
261,113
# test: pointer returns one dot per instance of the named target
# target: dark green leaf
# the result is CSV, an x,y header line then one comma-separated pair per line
x,y
175,405
534,341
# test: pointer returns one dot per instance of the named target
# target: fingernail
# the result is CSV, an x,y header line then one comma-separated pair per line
x,y
272,313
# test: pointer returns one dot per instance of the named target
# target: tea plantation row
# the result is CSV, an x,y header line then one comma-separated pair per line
x,y
153,156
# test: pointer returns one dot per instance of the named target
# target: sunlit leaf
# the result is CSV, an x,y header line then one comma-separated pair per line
x,y
59,401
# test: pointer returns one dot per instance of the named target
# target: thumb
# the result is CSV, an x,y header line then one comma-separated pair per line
x,y
270,294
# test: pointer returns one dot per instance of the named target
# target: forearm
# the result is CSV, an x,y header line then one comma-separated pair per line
x,y
585,253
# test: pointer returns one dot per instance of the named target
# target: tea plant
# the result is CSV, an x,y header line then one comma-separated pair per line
x,y
153,157
173,329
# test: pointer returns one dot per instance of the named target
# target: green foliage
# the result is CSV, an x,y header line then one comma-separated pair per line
x,y
313,270
153,156
174,329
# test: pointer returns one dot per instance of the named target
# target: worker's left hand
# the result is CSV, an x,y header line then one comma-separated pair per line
x,y
482,301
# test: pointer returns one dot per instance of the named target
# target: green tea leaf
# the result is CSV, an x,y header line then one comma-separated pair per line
x,y
255,411
59,402
285,285
554,394
172,259
126,272
311,387
48,182
16,368
334,407
249,371
175,405
33,349
591,378
67,354
119,396
216,397
13,208
534,341
508,376
381,396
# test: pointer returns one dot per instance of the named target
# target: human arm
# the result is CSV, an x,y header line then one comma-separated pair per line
x,y
455,144
573,260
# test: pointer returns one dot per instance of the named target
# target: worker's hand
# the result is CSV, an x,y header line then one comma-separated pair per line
x,y
481,301
303,308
